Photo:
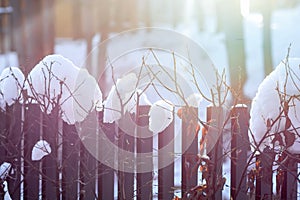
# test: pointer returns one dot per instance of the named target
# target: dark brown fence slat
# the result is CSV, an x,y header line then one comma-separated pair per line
x,y
70,162
166,173
50,181
264,183
88,163
3,133
14,137
144,145
289,187
87,174
32,132
126,179
239,147
189,176
105,173
214,147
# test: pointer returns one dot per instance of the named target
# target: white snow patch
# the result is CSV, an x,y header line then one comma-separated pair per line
x,y
56,80
194,100
6,193
11,84
4,170
40,149
266,104
119,97
160,116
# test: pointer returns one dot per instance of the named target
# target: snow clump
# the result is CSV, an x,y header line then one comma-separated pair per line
x,y
275,110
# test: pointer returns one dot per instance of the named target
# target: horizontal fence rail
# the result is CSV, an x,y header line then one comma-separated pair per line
x,y
70,171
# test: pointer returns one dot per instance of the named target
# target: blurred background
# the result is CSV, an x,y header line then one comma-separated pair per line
x,y
239,35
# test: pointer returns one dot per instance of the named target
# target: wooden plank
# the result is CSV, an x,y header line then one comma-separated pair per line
x,y
105,173
3,135
291,177
214,148
32,130
87,174
239,147
166,173
14,122
264,182
126,142
144,145
50,180
70,162
189,158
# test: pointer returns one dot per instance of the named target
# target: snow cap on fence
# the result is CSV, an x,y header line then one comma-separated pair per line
x,y
194,100
282,85
118,98
11,84
56,80
160,116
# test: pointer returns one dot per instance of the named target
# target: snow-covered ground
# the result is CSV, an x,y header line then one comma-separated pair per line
x,y
285,31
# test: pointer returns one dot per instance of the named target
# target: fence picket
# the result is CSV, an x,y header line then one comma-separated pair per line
x,y
144,145
32,130
87,132
126,179
50,181
189,175
166,174
264,182
3,133
105,173
239,148
215,149
14,137
289,187
70,162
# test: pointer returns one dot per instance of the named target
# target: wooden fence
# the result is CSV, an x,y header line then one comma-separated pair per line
x,y
71,172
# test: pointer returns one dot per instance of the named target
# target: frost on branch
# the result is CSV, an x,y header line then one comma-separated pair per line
x,y
275,111
11,84
57,81
40,150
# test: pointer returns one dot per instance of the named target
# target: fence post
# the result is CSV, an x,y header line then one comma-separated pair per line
x,y
239,147
32,130
70,162
166,173
144,145
105,173
50,183
289,185
264,183
214,148
127,143
189,176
